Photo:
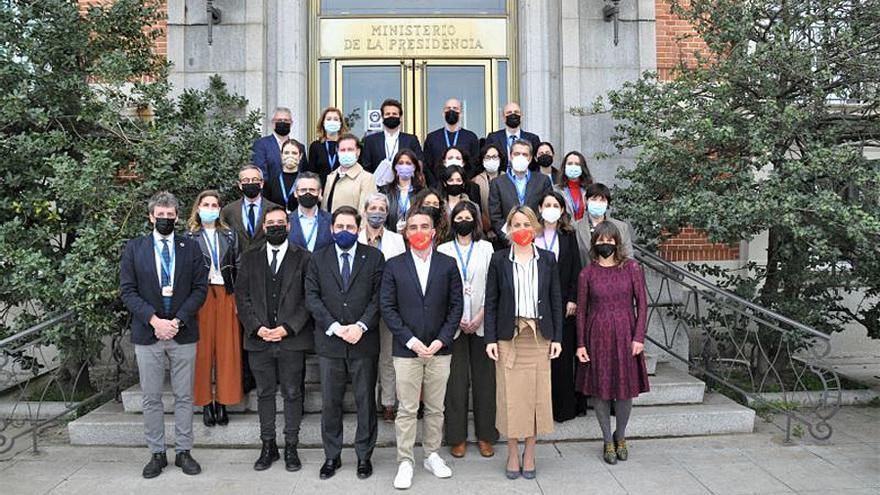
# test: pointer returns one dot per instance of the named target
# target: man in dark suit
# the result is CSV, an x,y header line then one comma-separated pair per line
x,y
163,283
382,146
512,131
270,296
518,187
452,134
342,293
421,302
309,225
246,215
267,149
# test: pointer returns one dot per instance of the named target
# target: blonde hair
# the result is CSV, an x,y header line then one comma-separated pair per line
x,y
343,130
530,214
194,223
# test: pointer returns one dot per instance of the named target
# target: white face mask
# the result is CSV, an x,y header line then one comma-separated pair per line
x,y
332,126
492,166
453,161
551,215
520,163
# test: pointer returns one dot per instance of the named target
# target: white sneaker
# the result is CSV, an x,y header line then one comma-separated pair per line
x,y
436,465
403,480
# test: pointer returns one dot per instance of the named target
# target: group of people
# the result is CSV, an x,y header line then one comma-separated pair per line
x,y
470,274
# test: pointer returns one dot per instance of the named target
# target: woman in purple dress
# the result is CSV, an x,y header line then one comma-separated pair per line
x,y
613,331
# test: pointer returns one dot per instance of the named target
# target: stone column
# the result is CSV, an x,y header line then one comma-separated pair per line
x,y
288,62
539,67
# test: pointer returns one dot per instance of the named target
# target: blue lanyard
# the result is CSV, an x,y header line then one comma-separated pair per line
x,y
284,193
312,233
464,264
454,140
390,154
403,203
552,241
331,158
576,204
520,191
168,268
244,207
215,248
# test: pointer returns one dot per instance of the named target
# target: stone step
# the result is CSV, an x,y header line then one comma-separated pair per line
x,y
668,386
110,425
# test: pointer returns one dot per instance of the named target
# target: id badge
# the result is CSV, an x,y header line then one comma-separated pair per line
x,y
468,289
167,291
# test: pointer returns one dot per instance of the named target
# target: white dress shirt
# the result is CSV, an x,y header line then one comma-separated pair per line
x,y
351,252
282,250
157,244
423,268
525,285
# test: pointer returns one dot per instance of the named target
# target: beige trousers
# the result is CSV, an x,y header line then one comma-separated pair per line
x,y
425,377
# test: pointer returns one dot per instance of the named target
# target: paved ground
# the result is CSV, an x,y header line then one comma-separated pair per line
x,y
741,464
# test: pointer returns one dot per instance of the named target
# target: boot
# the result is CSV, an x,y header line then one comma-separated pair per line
x,y
220,414
208,416
268,455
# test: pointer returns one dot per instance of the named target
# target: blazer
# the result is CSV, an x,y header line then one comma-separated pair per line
x,y
408,313
499,137
231,215
251,300
435,147
584,231
569,263
478,268
503,197
393,194
228,254
298,237
267,155
140,291
374,149
274,190
352,188
329,302
319,161
500,316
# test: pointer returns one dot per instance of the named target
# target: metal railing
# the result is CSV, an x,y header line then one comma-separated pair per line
x,y
754,355
39,389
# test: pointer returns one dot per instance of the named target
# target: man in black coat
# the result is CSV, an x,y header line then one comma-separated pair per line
x,y
270,296
342,293
512,131
382,146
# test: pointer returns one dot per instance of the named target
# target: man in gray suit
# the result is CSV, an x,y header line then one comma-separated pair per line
x,y
246,215
598,198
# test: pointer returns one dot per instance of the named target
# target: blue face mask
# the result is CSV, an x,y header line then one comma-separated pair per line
x,y
347,158
345,239
208,215
596,209
573,171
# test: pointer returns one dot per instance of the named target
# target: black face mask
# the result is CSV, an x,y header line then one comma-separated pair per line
x,y
545,161
251,190
165,226
391,122
276,234
464,227
451,117
308,200
513,120
282,128
454,189
606,250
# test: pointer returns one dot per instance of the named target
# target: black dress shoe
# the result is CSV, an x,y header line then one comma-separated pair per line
x,y
268,455
291,459
154,467
365,469
208,416
329,468
220,413
186,463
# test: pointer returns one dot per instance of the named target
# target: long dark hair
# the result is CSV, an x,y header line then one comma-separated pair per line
x,y
607,230
586,177
471,208
564,222
418,178
478,166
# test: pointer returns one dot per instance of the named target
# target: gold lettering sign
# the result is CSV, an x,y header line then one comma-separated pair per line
x,y
402,37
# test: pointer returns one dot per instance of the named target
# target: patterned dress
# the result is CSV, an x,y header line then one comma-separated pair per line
x,y
607,324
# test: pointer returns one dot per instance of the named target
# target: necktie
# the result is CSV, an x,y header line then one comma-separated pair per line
x,y
252,220
346,271
274,264
166,277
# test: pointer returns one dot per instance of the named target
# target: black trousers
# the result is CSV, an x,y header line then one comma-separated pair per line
x,y
471,372
274,368
335,373
562,373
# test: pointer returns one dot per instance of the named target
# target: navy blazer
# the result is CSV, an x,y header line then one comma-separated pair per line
x,y
409,313
140,291
298,237
500,309
373,151
500,138
267,156
503,197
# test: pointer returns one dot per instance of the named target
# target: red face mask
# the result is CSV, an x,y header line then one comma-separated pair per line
x,y
523,237
419,240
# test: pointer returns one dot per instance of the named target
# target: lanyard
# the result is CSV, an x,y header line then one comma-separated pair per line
x,y
454,140
284,193
311,233
168,268
251,228
390,154
464,264
331,158
403,202
552,241
576,203
520,191
215,248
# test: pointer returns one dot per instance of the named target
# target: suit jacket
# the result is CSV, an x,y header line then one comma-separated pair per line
x,y
323,236
408,313
569,264
583,229
231,215
503,197
499,137
319,161
435,147
267,156
228,253
329,302
393,194
251,299
141,293
500,313
374,149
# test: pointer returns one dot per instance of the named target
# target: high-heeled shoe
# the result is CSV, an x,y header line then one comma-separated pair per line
x,y
220,414
512,475
530,474
208,416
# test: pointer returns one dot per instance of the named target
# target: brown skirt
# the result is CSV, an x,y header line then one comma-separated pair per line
x,y
525,406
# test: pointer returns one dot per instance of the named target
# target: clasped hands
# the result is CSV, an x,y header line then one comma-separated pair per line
x,y
349,333
272,334
164,329
426,351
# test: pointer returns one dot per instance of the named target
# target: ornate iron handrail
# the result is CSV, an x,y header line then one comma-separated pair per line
x,y
752,353
39,390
